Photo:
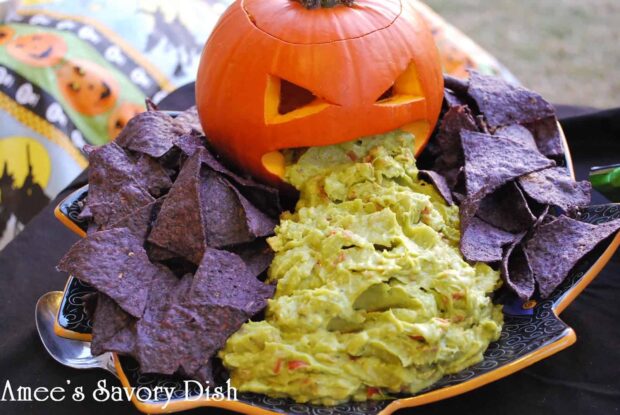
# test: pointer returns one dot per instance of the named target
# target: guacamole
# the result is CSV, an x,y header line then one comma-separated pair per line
x,y
373,296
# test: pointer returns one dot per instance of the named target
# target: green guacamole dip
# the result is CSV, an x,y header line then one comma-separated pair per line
x,y
373,295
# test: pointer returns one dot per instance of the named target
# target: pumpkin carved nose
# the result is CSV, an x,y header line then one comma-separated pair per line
x,y
405,90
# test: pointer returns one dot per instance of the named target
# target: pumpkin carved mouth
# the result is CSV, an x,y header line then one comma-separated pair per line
x,y
46,53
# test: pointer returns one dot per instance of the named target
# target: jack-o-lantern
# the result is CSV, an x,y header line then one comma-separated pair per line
x,y
38,49
89,88
281,74
121,116
6,34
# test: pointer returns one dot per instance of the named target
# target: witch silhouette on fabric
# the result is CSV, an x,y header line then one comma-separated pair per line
x,y
22,202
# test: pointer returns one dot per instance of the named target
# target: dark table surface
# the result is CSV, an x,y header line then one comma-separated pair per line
x,y
584,379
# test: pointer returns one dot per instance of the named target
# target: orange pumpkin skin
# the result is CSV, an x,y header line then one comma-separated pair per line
x,y
346,56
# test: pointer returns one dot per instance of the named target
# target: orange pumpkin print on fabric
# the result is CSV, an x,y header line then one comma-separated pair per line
x,y
6,34
89,88
38,49
121,116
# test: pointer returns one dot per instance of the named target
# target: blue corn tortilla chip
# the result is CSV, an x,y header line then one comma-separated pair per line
x,y
113,190
139,222
111,326
189,120
457,85
158,254
229,218
179,225
439,182
555,247
216,324
543,217
156,341
259,224
190,143
197,333
203,209
448,139
204,372
92,228
265,198
150,105
556,187
451,99
87,149
223,280
187,321
85,212
152,176
257,255
151,132
547,135
223,214
89,300
115,263
505,104
482,242
507,209
492,161
516,271
468,207
518,133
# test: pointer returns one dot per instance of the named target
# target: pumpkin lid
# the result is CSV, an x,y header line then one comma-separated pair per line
x,y
360,19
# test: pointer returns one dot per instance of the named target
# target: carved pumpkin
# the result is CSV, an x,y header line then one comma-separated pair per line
x,y
38,49
88,87
275,75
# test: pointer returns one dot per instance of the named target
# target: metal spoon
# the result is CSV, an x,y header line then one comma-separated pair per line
x,y
71,353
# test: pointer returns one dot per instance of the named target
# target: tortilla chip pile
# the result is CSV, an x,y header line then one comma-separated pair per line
x,y
498,152
175,246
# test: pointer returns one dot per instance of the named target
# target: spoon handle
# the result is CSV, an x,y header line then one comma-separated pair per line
x,y
106,361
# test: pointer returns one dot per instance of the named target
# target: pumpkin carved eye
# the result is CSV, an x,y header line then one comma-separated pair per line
x,y
405,90
286,101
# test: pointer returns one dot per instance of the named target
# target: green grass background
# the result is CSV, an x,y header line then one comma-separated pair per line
x,y
568,50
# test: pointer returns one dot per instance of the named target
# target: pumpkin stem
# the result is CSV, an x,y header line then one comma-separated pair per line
x,y
318,4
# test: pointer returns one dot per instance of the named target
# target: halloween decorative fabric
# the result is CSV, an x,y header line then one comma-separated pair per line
x,y
73,73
